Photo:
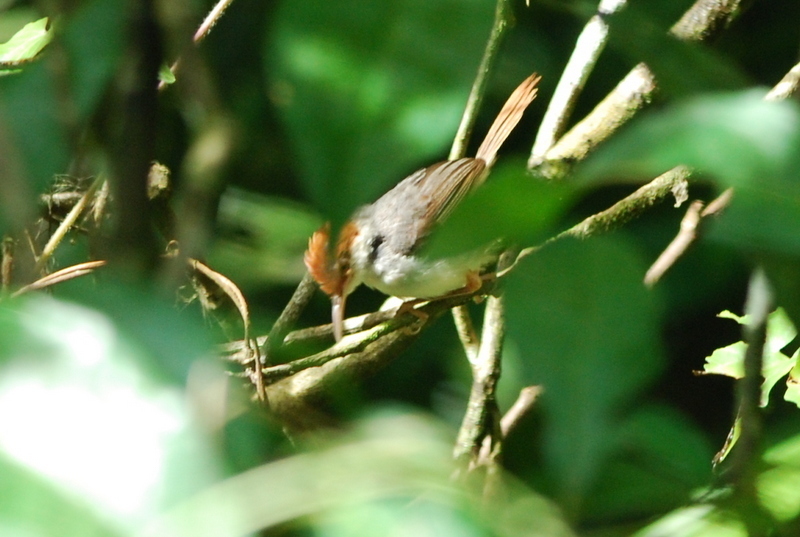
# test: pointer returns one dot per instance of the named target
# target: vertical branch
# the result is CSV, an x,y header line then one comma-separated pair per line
x,y
482,418
133,140
6,265
748,390
502,19
66,225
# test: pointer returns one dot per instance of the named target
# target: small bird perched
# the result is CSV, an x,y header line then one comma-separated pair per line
x,y
379,246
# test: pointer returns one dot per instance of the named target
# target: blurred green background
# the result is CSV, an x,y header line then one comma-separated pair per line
x,y
116,415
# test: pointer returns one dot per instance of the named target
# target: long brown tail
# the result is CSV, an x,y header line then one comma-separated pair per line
x,y
507,119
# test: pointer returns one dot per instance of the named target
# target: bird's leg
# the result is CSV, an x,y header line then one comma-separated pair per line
x,y
474,281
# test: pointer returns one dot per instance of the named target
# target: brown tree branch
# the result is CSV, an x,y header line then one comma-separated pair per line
x,y
703,21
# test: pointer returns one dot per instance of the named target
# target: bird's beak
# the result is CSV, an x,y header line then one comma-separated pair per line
x,y
337,316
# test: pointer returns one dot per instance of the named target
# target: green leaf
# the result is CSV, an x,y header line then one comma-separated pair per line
x,y
94,37
367,99
729,360
390,476
665,458
741,319
697,521
793,381
28,42
588,330
777,486
261,239
29,113
166,75
169,342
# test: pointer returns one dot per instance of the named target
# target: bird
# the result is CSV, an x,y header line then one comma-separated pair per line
x,y
380,244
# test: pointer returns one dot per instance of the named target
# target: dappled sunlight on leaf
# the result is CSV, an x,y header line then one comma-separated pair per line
x,y
28,42
77,409
729,360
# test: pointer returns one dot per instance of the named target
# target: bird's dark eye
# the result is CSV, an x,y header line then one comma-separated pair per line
x,y
374,244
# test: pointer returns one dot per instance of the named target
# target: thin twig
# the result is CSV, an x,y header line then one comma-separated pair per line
x,y
235,351
202,32
365,328
524,403
760,299
633,93
631,206
503,17
686,236
787,87
59,276
65,225
237,297
467,334
100,204
7,265
289,316
672,183
211,19
482,420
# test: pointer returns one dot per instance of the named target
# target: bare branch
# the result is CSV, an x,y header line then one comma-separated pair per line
x,y
63,228
787,87
584,57
237,297
63,275
703,21
502,19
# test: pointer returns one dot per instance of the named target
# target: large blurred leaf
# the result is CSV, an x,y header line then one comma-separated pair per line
x,y
738,138
587,329
87,430
391,476
94,37
369,90
663,459
704,520
641,33
30,505
777,486
29,112
169,341
511,205
262,239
